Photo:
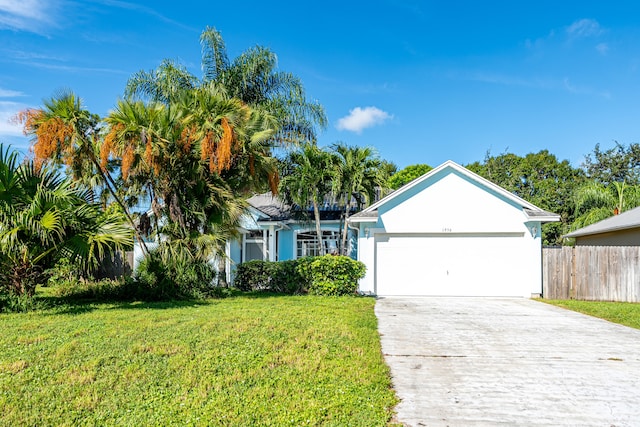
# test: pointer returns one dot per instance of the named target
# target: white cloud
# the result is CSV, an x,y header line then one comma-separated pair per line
x,y
8,93
584,28
362,118
27,15
584,90
8,126
602,48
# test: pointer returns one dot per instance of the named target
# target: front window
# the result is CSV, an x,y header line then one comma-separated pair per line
x,y
307,243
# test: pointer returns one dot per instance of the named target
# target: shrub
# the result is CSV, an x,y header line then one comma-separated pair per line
x,y
253,275
160,279
100,290
281,277
287,279
327,275
11,303
335,275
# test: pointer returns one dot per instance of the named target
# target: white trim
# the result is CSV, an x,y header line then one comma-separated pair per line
x,y
362,219
471,175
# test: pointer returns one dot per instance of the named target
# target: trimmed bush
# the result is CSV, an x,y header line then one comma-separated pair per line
x,y
335,275
285,278
253,276
326,275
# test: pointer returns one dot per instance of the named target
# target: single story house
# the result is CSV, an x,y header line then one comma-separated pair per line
x,y
274,231
619,230
451,232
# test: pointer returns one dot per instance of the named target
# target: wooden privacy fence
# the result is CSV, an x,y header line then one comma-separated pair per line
x,y
597,273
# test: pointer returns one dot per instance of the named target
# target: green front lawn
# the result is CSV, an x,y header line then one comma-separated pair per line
x,y
625,313
239,361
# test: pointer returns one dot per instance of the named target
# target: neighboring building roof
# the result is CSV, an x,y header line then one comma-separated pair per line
x,y
625,221
370,214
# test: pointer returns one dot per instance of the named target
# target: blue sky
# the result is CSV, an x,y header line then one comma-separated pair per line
x,y
423,82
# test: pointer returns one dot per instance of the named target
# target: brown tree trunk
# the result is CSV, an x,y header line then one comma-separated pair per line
x,y
106,177
316,214
345,230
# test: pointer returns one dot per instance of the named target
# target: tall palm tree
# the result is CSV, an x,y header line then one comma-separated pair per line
x,y
44,218
359,173
252,77
64,132
177,153
595,201
308,179
194,159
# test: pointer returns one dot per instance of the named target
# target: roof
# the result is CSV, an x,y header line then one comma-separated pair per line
x,y
533,212
625,221
270,205
364,216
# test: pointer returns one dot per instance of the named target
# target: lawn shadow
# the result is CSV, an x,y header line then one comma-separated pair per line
x,y
63,305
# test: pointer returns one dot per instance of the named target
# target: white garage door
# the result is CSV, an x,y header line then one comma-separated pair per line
x,y
450,265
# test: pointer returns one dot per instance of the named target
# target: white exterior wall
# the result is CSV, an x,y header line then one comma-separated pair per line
x,y
450,203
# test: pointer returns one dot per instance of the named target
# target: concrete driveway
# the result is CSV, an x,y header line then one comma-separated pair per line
x,y
506,362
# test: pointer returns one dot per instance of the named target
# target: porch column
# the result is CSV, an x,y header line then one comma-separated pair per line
x,y
272,243
265,239
227,261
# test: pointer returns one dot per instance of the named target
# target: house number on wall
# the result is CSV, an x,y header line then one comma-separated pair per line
x,y
446,230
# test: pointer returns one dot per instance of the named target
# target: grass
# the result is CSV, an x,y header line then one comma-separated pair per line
x,y
625,313
239,361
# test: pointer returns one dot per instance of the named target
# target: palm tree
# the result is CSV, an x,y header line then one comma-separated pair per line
x,y
195,149
194,159
595,201
44,218
65,132
252,78
308,179
359,173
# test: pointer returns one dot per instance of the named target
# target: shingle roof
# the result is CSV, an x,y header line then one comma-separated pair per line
x,y
271,206
624,221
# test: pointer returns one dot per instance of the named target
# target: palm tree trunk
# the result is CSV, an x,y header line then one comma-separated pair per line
x,y
106,177
345,230
316,214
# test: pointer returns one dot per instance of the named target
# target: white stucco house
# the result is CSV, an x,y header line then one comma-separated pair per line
x,y
451,233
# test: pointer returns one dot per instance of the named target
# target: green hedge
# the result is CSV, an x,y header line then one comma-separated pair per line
x,y
325,275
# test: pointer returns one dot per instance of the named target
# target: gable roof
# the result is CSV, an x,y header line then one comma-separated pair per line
x,y
532,212
625,221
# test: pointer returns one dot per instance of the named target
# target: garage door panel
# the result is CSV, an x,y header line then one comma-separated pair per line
x,y
461,265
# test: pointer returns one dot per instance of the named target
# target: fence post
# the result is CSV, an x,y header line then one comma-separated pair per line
x,y
573,278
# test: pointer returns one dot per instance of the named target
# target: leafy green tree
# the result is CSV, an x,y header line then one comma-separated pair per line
x,y
618,164
408,174
595,201
44,218
541,179
359,173
307,179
